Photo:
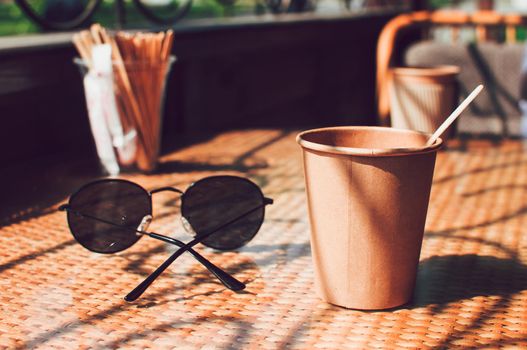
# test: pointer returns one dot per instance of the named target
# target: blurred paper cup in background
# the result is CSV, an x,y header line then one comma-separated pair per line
x,y
422,97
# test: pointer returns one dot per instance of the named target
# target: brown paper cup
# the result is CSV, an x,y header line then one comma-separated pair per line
x,y
368,191
422,98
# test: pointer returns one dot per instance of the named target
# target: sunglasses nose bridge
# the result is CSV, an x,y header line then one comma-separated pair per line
x,y
143,226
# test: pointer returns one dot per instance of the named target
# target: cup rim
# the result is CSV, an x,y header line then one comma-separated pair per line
x,y
366,152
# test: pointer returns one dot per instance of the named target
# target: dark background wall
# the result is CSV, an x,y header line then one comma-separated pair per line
x,y
299,72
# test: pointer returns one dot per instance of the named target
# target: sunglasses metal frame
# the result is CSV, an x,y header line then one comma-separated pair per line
x,y
226,279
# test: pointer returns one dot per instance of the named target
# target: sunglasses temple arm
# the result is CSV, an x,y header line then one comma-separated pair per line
x,y
227,280
140,289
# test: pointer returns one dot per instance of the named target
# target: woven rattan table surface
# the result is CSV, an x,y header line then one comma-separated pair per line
x,y
471,290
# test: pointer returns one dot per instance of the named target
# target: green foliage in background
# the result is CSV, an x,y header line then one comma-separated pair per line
x,y
13,20
435,4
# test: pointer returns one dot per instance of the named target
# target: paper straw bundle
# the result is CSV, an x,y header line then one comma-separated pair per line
x,y
140,63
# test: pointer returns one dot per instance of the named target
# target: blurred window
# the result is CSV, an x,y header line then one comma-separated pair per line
x,y
502,6
32,16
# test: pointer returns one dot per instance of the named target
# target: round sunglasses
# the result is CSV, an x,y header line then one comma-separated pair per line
x,y
222,212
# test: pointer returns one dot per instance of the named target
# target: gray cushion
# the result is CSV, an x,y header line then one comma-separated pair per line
x,y
504,60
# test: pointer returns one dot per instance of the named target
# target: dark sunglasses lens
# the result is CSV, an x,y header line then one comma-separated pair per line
x,y
120,205
214,201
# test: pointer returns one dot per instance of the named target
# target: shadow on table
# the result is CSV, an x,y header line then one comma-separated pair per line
x,y
100,315
463,140
479,170
488,189
175,166
28,191
450,278
442,280
244,162
6,265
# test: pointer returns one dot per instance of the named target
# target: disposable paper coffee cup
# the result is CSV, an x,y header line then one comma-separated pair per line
x,y
421,98
368,190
